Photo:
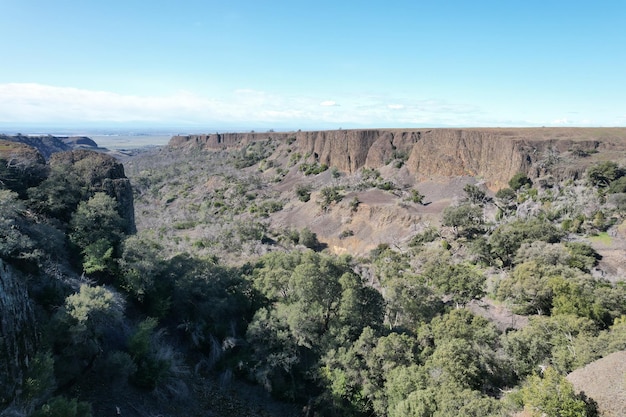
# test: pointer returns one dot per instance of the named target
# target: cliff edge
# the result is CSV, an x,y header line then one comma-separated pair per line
x,y
493,154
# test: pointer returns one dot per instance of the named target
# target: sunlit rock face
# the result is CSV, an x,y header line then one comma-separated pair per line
x,y
492,154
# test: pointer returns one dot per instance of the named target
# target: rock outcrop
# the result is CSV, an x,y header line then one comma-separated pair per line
x,y
21,166
18,336
103,173
493,154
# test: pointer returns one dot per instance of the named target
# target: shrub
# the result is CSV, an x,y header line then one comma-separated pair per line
x,y
354,204
346,233
303,192
428,235
329,195
308,238
313,169
416,197
520,180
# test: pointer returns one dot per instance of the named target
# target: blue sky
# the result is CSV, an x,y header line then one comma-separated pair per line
x,y
312,64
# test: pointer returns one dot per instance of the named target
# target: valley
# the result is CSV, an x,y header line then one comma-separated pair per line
x,y
434,272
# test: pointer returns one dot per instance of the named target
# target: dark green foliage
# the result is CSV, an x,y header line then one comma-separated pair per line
x,y
97,229
356,374
474,194
583,256
313,169
548,341
507,195
328,196
316,303
428,235
303,192
603,174
142,345
14,240
466,219
275,355
208,300
528,288
509,237
386,185
308,239
460,282
520,180
143,275
550,394
21,170
62,407
39,381
58,196
618,185
79,331
252,154
417,197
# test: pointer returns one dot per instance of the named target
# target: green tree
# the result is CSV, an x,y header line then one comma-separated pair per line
x,y
308,238
59,194
356,375
547,341
14,240
275,356
466,219
81,329
474,194
551,394
506,239
152,369
527,288
97,229
603,173
208,301
462,283
142,270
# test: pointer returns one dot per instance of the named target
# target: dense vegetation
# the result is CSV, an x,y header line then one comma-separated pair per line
x,y
397,333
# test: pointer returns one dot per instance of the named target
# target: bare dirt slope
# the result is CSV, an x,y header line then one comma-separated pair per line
x,y
604,381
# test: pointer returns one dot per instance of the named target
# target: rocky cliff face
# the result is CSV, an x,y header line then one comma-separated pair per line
x,y
21,166
104,173
495,154
18,336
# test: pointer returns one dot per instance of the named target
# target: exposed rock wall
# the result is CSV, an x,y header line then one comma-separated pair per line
x,y
18,336
494,154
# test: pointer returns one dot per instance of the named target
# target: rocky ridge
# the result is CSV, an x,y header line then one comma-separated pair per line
x,y
492,154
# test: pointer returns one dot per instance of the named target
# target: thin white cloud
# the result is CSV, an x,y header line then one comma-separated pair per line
x,y
23,103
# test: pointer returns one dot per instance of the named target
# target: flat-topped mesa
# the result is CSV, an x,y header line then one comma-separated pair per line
x,y
493,154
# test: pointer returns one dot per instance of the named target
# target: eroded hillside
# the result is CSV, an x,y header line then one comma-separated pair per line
x,y
494,155
376,173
